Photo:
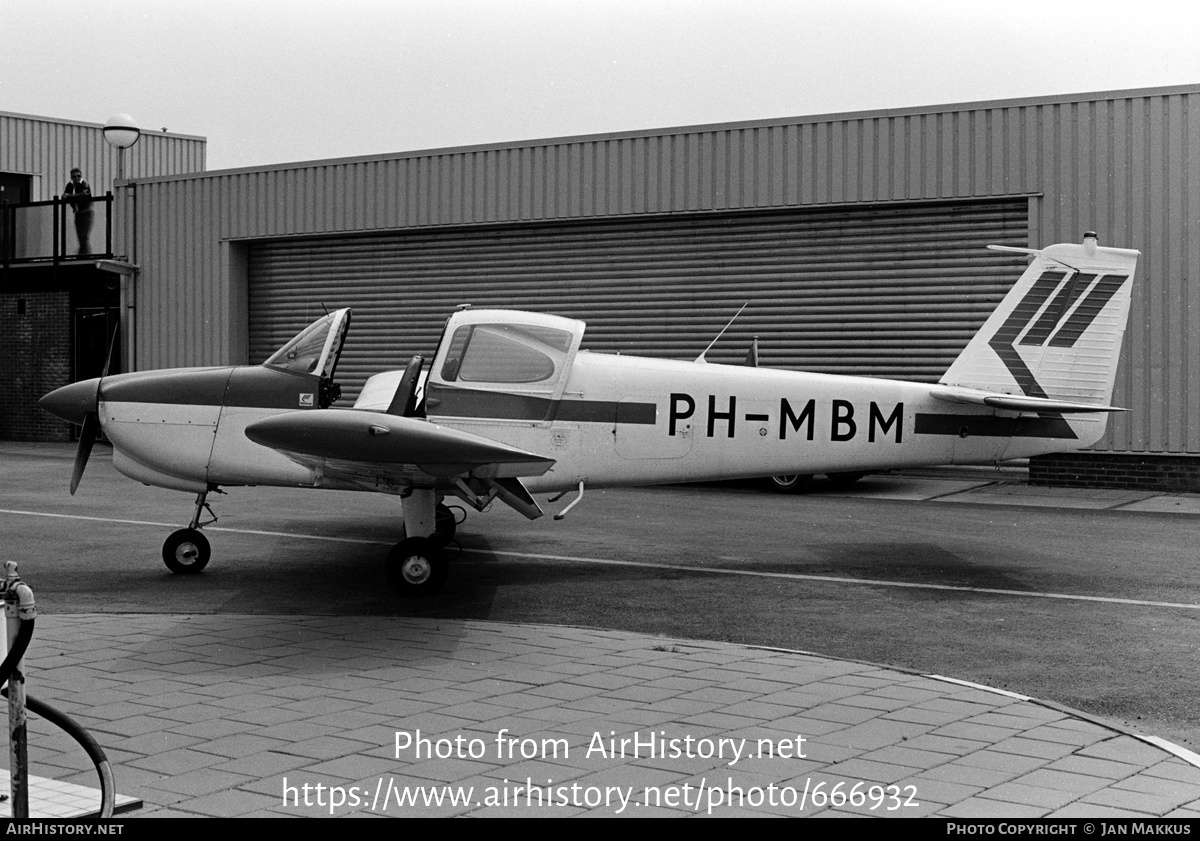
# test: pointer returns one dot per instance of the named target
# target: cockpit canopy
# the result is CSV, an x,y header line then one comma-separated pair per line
x,y
316,348
502,352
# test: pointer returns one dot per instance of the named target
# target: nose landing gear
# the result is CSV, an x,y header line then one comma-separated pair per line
x,y
187,551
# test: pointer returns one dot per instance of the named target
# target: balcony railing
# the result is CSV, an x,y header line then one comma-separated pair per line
x,y
55,232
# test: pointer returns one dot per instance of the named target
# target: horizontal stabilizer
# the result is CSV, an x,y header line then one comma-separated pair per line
x,y
375,438
1016,402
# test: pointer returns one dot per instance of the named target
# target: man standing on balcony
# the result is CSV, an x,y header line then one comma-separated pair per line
x,y
78,194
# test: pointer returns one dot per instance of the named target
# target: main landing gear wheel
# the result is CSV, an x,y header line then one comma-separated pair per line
x,y
795,483
186,552
415,567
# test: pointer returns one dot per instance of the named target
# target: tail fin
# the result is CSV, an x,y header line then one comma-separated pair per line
x,y
1057,335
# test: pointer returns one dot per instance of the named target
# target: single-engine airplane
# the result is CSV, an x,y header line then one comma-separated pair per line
x,y
511,406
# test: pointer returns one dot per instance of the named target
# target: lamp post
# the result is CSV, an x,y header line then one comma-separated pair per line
x,y
121,132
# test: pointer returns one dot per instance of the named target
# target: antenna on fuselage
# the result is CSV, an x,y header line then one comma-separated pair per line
x,y
701,358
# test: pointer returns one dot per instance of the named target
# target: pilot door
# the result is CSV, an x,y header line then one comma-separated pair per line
x,y
499,365
504,374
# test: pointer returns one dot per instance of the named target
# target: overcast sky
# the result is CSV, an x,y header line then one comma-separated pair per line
x,y
269,82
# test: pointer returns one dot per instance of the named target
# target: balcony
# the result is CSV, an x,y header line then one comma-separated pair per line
x,y
52,233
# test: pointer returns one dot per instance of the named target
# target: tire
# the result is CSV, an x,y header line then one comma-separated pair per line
x,y
789,483
843,480
186,552
415,567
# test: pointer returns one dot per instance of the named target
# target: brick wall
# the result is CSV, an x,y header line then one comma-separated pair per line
x,y
35,358
1101,470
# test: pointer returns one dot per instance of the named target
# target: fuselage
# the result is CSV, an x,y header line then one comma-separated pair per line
x,y
619,420
629,420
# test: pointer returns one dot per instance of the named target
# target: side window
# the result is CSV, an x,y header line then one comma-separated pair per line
x,y
504,353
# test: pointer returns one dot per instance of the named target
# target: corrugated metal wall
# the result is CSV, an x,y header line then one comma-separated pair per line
x,y
49,148
883,292
1120,163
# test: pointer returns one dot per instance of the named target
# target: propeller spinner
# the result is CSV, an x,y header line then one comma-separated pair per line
x,y
77,403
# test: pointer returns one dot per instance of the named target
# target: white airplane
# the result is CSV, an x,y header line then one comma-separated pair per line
x,y
511,406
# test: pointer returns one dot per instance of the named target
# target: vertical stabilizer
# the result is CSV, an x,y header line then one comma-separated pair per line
x,y
1057,334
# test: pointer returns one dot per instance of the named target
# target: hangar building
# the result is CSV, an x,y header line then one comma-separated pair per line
x,y
857,239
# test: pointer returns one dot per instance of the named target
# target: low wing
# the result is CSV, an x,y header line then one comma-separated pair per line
x,y
1015,402
384,452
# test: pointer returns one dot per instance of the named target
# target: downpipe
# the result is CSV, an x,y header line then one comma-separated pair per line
x,y
20,614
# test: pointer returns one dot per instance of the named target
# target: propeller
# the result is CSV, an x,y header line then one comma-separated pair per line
x,y
79,403
87,437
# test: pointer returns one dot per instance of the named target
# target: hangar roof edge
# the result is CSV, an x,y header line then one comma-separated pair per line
x,y
86,124
1050,99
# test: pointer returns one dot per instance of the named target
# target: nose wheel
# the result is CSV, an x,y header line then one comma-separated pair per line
x,y
186,552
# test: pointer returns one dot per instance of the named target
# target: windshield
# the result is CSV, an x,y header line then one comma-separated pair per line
x,y
315,349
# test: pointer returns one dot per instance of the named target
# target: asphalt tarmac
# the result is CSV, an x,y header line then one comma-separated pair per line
x,y
1087,600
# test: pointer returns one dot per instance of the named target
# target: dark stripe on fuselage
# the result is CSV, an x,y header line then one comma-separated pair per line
x,y
259,387
246,387
269,388
990,426
195,387
605,411
473,403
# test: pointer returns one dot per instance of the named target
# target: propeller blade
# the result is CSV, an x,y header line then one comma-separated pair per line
x,y
87,437
79,403
112,344
91,421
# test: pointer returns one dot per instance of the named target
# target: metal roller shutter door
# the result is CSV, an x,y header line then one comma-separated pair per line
x,y
892,291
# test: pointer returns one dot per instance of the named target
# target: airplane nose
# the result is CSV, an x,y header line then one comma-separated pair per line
x,y
73,402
